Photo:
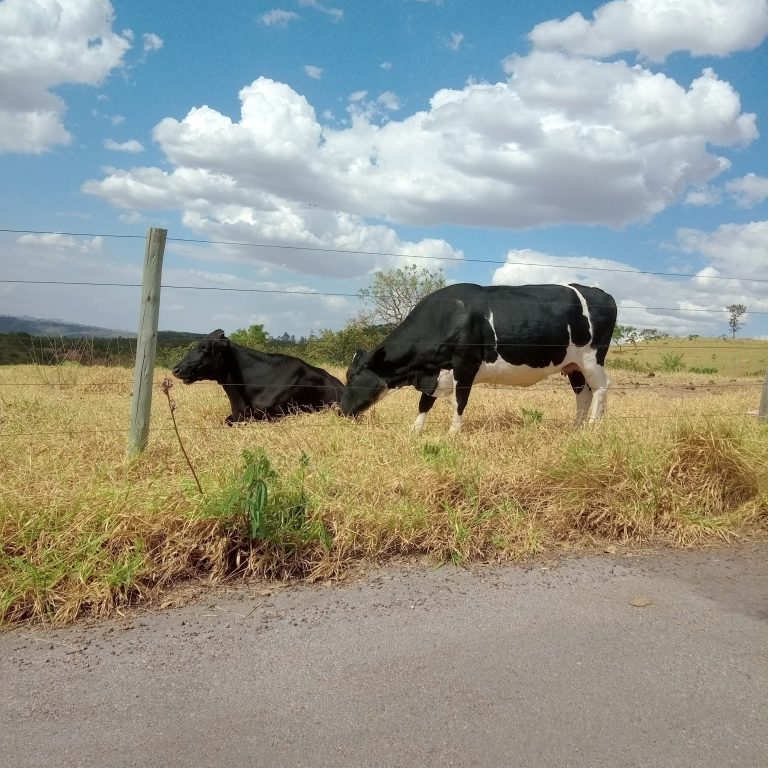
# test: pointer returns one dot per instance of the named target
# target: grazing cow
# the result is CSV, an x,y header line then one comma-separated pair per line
x,y
259,385
466,334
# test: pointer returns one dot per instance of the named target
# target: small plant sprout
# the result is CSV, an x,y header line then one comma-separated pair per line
x,y
532,416
166,389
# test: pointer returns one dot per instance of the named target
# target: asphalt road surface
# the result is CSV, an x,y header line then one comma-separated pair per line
x,y
542,665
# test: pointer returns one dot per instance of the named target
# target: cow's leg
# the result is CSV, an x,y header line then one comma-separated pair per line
x,y
583,394
464,372
425,404
460,398
597,379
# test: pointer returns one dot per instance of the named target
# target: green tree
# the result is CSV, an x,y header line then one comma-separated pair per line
x,y
735,322
254,337
622,333
339,347
395,292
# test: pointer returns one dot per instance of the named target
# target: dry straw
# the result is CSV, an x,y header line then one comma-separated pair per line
x,y
675,463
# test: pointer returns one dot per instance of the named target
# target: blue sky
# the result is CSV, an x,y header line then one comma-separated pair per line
x,y
506,142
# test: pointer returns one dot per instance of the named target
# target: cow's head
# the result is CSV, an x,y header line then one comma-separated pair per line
x,y
206,361
364,385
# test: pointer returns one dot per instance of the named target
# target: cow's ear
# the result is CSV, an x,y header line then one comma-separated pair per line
x,y
220,341
378,355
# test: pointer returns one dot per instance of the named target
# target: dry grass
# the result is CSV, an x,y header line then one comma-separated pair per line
x,y
677,462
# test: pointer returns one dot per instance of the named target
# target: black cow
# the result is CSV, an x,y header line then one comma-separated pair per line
x,y
259,385
466,334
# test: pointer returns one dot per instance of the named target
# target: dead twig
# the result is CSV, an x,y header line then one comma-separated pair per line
x,y
166,388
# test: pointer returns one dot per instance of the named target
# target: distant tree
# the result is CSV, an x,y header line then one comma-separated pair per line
x,y
395,292
734,321
254,337
649,334
338,347
285,340
622,333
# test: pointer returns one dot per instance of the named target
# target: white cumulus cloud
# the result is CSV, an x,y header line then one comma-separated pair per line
x,y
152,42
703,196
657,28
513,154
564,139
45,44
132,146
749,190
678,306
457,38
738,250
278,18
335,14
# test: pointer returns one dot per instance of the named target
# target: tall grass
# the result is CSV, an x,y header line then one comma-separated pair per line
x,y
82,530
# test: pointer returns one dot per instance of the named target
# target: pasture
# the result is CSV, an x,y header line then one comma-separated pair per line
x,y
677,462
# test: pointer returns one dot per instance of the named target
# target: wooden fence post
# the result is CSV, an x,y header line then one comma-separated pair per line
x,y
762,412
146,343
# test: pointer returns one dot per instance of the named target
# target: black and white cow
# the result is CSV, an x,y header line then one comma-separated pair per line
x,y
259,385
466,334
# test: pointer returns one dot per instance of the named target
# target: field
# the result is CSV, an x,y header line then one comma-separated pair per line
x,y
677,462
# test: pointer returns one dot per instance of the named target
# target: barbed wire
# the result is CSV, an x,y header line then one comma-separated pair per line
x,y
284,351
287,292
507,387
288,350
349,251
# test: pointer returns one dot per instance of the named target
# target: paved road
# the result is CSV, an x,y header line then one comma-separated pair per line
x,y
504,666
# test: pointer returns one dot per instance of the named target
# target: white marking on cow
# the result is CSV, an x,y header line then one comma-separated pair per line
x,y
584,309
418,425
446,384
598,381
501,372
446,387
493,328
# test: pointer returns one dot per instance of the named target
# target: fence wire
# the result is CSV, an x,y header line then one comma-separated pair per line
x,y
677,389
388,254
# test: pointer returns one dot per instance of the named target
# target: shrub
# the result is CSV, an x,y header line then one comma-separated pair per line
x,y
628,364
266,516
339,347
672,362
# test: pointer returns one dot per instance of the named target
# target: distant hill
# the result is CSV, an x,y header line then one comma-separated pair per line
x,y
43,341
60,329
177,338
37,326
